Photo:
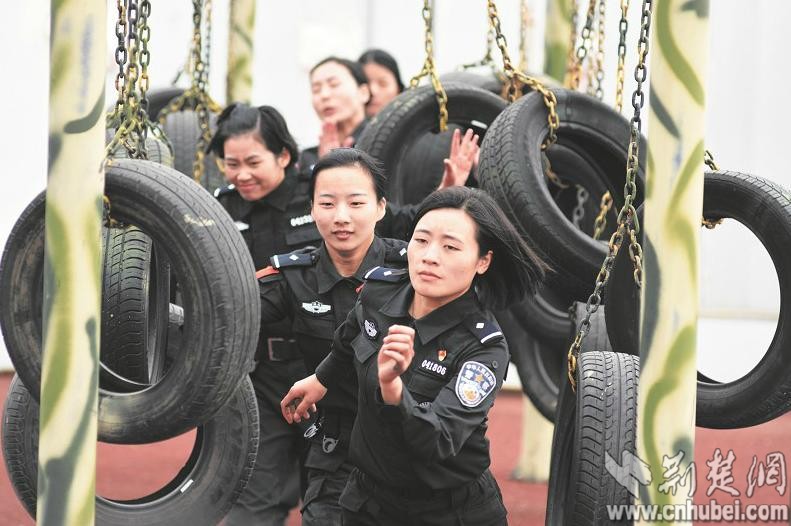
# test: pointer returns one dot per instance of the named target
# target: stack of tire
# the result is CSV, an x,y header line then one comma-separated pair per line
x,y
179,324
598,419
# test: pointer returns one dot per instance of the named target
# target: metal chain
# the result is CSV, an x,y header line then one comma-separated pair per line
x,y
582,49
517,78
579,210
598,91
121,54
488,59
601,220
430,70
143,35
623,26
708,158
627,217
204,120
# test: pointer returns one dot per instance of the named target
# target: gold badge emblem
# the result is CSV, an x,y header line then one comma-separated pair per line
x,y
441,354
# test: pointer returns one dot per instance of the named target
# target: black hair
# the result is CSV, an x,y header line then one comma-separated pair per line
x,y
355,68
515,269
265,121
340,157
384,59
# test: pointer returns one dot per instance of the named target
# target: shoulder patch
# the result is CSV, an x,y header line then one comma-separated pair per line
x,y
224,190
298,258
474,383
483,329
396,251
392,275
267,271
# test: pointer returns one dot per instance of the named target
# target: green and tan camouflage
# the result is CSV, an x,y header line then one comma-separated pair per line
x,y
673,211
556,38
239,83
72,269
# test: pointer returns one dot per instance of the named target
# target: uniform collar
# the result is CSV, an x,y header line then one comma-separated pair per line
x,y
280,197
437,321
328,275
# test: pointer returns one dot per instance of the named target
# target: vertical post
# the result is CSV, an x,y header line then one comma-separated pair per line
x,y
556,37
673,211
535,449
239,82
72,269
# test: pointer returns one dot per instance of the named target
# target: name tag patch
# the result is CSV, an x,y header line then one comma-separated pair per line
x,y
474,383
434,367
301,220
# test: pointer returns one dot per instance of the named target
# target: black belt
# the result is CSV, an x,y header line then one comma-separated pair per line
x,y
278,350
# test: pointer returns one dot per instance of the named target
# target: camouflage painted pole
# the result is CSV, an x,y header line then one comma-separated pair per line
x,y
72,271
673,211
240,51
556,39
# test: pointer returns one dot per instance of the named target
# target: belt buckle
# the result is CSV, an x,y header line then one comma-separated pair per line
x,y
271,350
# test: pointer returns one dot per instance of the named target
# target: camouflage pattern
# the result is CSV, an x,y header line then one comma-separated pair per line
x,y
72,271
240,51
556,41
673,211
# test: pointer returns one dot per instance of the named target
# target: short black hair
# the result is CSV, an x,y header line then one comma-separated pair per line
x,y
265,121
384,59
355,68
516,269
340,157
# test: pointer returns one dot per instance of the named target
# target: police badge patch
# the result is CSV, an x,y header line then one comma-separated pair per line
x,y
371,330
474,383
316,307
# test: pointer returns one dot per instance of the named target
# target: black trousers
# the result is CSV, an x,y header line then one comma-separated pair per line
x,y
478,503
275,486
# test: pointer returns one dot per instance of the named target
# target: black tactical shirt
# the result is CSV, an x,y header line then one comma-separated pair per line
x,y
435,438
279,222
305,288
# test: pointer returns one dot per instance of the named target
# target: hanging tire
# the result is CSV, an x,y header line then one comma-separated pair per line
x,y
135,306
391,134
765,392
485,81
216,278
182,129
596,421
511,171
159,98
527,353
203,491
156,150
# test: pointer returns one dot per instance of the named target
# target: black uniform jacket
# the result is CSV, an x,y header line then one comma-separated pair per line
x,y
280,222
305,288
435,438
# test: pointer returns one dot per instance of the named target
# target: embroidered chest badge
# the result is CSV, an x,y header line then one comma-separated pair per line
x,y
371,330
441,354
474,383
316,307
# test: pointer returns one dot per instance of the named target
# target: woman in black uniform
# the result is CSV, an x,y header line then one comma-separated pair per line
x,y
314,289
384,79
429,358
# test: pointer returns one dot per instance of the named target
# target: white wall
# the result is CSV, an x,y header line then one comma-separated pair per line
x,y
746,122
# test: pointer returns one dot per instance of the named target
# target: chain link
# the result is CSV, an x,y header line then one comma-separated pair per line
x,y
623,27
598,91
601,220
708,158
582,49
628,224
429,69
121,53
516,79
579,209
